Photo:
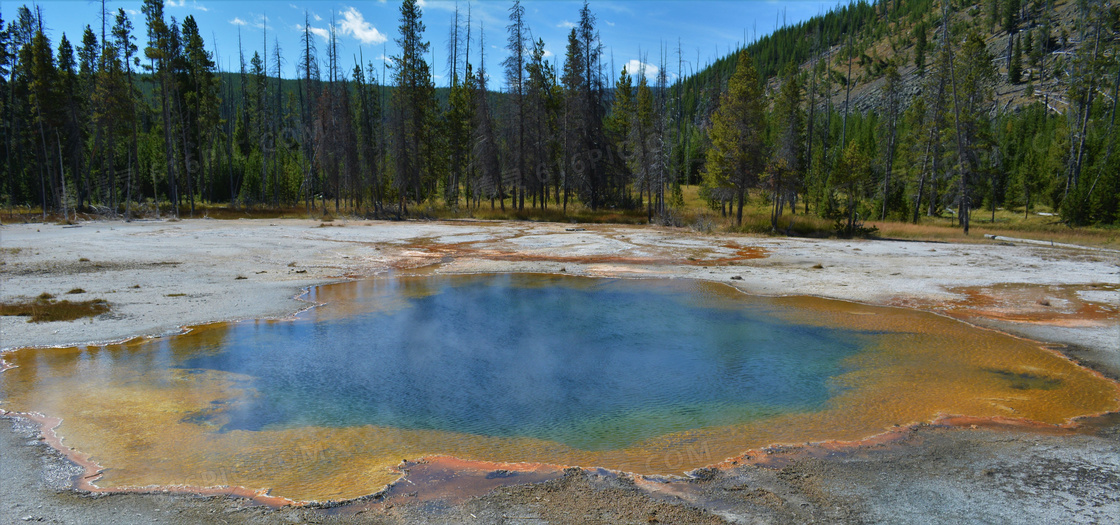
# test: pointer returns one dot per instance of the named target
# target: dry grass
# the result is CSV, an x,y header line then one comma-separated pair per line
x,y
577,213
696,215
45,309
76,291
1036,227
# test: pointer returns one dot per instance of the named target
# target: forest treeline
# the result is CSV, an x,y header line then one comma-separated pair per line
x,y
125,119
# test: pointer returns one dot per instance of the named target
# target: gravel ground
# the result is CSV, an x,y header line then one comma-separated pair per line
x,y
160,276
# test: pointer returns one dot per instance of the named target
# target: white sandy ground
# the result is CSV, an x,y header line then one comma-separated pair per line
x,y
938,475
141,268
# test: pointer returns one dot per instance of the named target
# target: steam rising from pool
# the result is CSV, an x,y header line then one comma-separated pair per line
x,y
649,376
592,364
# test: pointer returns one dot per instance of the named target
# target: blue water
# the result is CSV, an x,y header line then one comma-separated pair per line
x,y
592,363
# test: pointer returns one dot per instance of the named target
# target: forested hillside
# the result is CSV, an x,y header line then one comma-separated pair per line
x,y
1017,111
896,110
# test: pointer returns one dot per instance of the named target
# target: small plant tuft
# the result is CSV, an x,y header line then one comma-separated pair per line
x,y
45,309
76,291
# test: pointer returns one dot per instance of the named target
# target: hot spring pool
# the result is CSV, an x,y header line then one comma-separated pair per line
x,y
649,376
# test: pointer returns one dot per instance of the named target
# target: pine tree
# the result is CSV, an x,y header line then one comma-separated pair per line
x,y
485,139
161,51
126,46
200,102
70,136
515,79
920,45
786,166
414,105
43,103
1015,70
892,103
644,143
853,170
735,160
543,105
618,123
1011,15
573,166
598,189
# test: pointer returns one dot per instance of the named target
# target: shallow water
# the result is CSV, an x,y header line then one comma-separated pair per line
x,y
594,365
653,376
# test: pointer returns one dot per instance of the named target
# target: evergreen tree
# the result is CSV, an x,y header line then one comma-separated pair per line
x,y
920,45
515,80
542,112
200,103
735,160
598,189
485,140
786,166
573,165
1011,15
1015,71
892,106
126,47
853,171
414,108
618,123
995,14
161,51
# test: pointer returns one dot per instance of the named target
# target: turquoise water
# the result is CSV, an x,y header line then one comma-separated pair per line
x,y
595,364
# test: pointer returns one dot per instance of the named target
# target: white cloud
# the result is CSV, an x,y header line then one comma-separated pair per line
x,y
635,68
547,53
320,32
316,17
435,5
617,7
355,25
258,22
293,6
566,24
609,23
192,5
132,12
386,59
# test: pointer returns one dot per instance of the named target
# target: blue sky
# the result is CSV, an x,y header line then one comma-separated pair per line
x,y
632,31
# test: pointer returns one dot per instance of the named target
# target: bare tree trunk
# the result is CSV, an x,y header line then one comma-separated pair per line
x,y
1111,139
1075,174
739,213
848,80
963,205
